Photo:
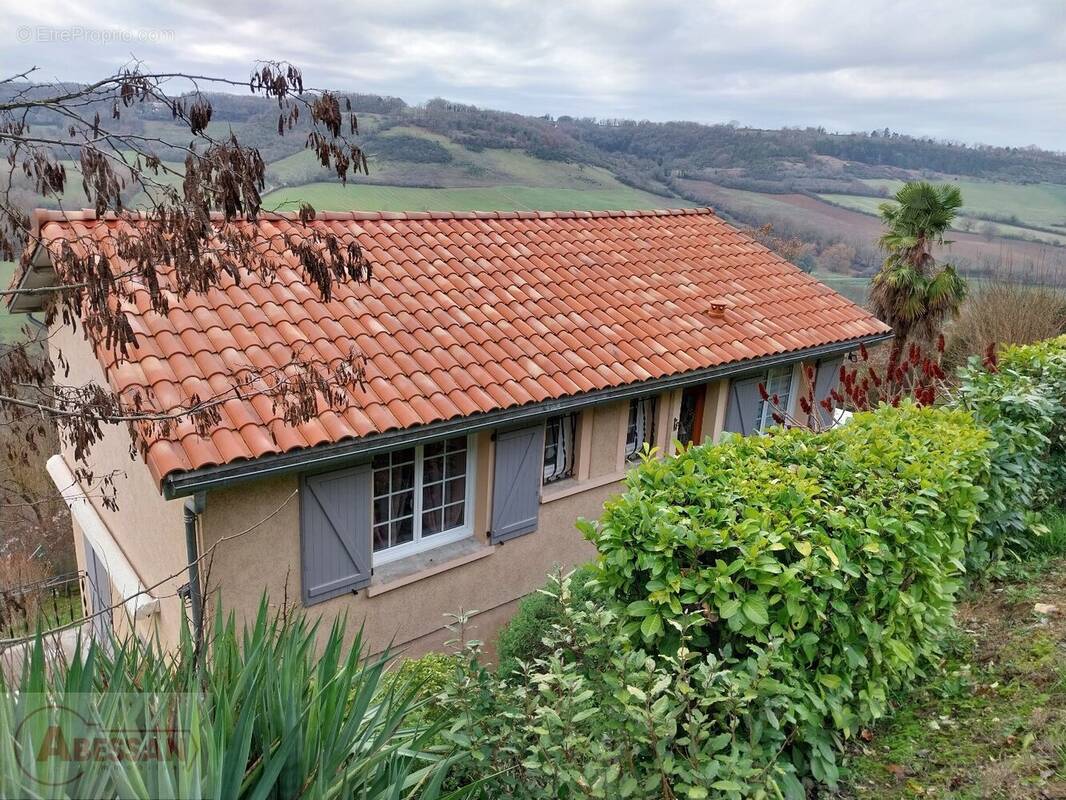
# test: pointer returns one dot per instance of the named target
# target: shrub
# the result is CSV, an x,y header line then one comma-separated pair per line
x,y
522,639
428,674
1045,362
757,601
1022,403
1005,312
427,677
270,712
836,555
635,725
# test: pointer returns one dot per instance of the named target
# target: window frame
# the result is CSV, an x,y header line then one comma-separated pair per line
x,y
575,443
650,427
420,544
765,411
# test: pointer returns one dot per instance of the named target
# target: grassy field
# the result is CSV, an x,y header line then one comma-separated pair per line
x,y
52,612
807,215
1041,204
991,722
367,197
871,205
855,289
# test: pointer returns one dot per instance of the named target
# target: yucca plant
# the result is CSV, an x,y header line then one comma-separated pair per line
x,y
268,712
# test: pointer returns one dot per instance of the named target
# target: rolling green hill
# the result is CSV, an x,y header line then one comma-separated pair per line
x,y
816,188
370,197
413,157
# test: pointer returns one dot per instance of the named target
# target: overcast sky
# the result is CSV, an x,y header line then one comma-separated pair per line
x,y
978,71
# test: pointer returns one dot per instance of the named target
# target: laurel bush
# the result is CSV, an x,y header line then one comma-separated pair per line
x,y
1021,401
840,552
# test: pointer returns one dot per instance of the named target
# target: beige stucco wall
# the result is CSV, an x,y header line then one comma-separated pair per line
x,y
608,427
267,560
148,529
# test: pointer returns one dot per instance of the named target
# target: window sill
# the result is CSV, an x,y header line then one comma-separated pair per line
x,y
419,566
572,486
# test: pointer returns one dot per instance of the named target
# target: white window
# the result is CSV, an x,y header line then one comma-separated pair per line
x,y
641,428
560,445
422,498
778,383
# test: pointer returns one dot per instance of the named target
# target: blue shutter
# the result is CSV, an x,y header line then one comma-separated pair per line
x,y
516,482
743,407
826,380
335,551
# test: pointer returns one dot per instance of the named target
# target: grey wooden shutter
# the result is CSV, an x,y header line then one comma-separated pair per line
x,y
743,408
516,482
826,380
99,590
335,551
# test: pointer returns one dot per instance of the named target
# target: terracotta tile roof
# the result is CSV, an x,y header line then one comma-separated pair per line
x,y
472,312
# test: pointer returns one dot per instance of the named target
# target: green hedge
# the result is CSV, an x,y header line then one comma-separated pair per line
x,y
758,600
598,718
1045,362
840,553
1022,404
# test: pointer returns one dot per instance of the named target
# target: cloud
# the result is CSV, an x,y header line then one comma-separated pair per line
x,y
977,71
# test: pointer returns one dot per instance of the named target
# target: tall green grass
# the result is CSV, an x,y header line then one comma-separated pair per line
x,y
1052,544
267,712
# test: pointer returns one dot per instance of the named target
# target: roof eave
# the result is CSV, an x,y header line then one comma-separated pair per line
x,y
34,284
337,454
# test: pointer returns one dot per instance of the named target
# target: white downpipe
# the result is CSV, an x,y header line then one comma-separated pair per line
x,y
124,580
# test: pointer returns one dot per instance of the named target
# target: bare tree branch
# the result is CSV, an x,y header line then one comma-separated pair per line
x,y
198,198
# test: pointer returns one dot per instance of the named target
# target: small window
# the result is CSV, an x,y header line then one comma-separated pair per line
x,y
778,382
641,428
560,446
421,498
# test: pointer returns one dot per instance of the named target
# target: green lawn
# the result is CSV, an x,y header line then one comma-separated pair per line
x,y
49,608
365,197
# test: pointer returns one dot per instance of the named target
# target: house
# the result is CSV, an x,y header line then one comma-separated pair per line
x,y
516,365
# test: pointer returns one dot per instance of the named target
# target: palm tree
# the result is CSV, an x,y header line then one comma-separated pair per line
x,y
910,293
